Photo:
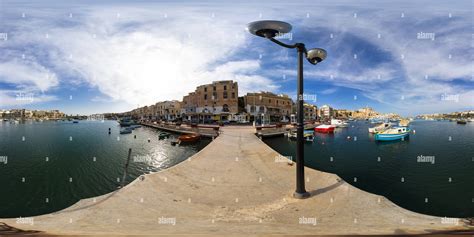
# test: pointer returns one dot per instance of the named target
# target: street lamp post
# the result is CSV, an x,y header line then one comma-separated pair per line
x,y
269,29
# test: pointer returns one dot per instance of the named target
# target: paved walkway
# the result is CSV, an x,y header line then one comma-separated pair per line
x,y
235,186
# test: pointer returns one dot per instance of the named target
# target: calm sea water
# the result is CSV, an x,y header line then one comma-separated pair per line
x,y
392,169
52,165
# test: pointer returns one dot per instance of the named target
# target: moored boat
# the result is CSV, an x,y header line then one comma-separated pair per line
x,y
126,131
380,128
339,123
163,135
461,121
308,136
189,138
393,134
292,134
325,128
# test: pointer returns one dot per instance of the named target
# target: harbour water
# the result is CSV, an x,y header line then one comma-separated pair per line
x,y
431,173
48,166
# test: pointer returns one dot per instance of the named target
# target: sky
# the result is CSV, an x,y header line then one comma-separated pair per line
x,y
86,57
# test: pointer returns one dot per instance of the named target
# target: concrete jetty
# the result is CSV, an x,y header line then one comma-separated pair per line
x,y
205,132
236,185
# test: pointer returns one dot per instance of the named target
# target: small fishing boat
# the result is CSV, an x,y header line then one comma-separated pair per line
x,y
75,121
189,138
380,128
126,131
163,135
135,126
325,128
308,136
461,121
393,134
292,134
339,123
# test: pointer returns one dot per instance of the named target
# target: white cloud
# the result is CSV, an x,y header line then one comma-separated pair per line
x,y
29,80
142,57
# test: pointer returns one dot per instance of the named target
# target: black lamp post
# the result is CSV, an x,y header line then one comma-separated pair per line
x,y
270,29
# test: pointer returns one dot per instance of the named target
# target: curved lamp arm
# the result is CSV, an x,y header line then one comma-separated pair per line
x,y
299,46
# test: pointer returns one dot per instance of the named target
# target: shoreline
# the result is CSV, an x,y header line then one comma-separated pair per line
x,y
254,194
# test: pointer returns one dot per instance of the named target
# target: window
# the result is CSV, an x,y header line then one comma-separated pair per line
x,y
252,109
205,97
214,96
224,94
214,88
233,95
225,87
225,108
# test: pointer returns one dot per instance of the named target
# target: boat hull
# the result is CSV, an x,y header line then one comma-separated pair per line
x,y
324,129
391,137
189,138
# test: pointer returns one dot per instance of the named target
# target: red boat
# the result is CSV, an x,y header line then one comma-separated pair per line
x,y
325,128
189,138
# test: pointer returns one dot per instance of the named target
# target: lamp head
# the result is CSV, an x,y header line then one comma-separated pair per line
x,y
268,28
316,55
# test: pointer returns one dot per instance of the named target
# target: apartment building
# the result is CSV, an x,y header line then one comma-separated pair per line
x,y
267,106
310,111
217,101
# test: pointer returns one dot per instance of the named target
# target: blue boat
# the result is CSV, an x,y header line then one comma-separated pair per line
x,y
126,131
393,134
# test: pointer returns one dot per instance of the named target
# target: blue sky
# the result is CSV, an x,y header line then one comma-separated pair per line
x,y
111,56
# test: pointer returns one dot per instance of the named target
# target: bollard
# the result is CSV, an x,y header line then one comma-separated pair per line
x,y
148,139
135,136
126,167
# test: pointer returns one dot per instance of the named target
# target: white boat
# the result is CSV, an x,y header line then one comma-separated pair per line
x,y
308,135
292,135
339,123
380,128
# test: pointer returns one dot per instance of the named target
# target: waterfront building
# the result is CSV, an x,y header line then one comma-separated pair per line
x,y
365,113
268,106
343,113
326,112
310,111
167,110
213,102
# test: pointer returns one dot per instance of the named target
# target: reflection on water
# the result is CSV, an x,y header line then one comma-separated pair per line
x,y
59,163
394,169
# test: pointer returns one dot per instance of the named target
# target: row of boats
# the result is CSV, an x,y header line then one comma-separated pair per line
x,y
129,125
308,133
386,131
